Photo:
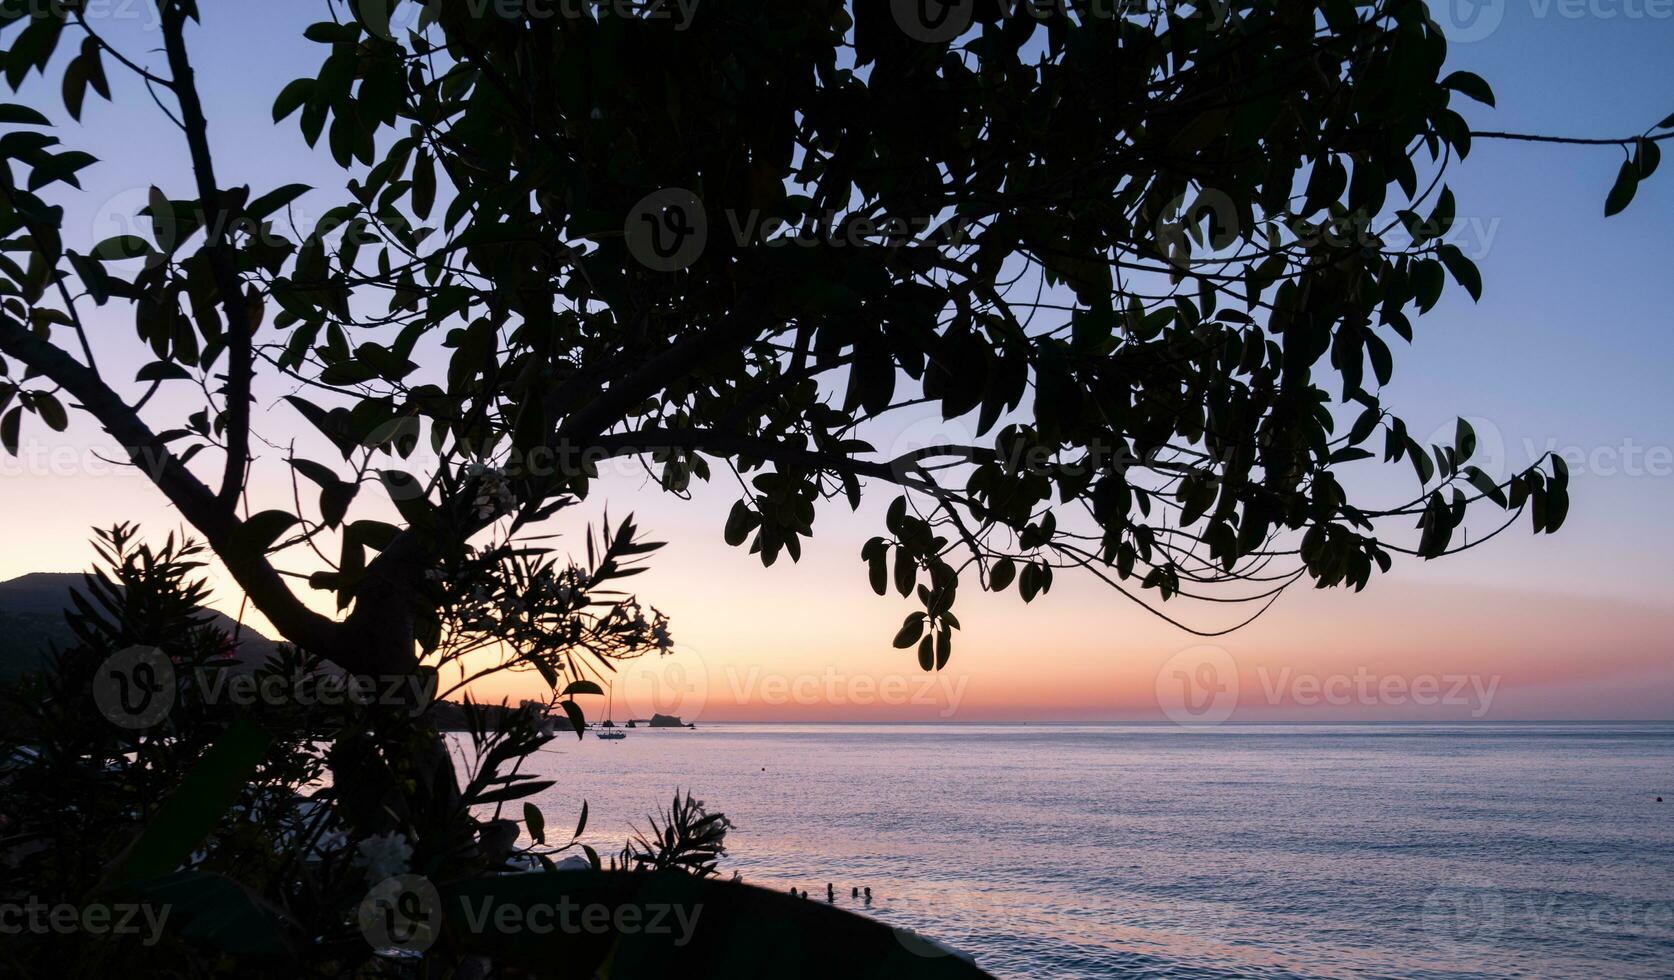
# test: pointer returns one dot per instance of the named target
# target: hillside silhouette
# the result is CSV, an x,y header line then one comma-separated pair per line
x,y
32,624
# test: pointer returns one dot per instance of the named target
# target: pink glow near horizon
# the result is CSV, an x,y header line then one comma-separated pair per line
x,y
810,641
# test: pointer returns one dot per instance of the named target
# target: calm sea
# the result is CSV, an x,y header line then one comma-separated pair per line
x,y
1242,851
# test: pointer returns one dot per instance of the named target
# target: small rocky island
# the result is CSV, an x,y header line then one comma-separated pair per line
x,y
662,721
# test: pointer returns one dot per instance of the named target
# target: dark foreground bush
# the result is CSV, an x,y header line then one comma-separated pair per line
x,y
148,827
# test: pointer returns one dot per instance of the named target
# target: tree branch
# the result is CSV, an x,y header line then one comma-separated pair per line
x,y
1568,140
899,470
240,360
248,566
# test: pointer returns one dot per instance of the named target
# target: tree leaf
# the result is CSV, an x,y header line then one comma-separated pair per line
x,y
424,184
535,822
121,247
260,531
10,425
21,115
515,791
910,631
327,32
331,424
877,572
1464,440
189,814
578,721
1621,192
906,571
335,500
162,371
1485,483
1464,270
1647,156
274,200
291,97
51,411
1471,85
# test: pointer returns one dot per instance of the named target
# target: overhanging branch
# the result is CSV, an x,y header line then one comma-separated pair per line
x,y
248,566
240,359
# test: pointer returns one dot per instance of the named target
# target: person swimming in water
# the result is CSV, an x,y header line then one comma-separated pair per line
x,y
868,894
854,892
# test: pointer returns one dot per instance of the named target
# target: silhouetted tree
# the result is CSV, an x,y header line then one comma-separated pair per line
x,y
1156,260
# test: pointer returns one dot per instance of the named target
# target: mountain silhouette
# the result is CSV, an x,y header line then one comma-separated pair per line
x,y
32,623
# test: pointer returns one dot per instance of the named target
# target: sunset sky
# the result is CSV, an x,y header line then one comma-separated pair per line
x,y
1569,350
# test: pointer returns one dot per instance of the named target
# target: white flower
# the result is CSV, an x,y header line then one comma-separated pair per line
x,y
385,855
330,842
574,862
494,494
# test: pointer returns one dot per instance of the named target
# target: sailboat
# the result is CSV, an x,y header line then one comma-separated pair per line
x,y
612,732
